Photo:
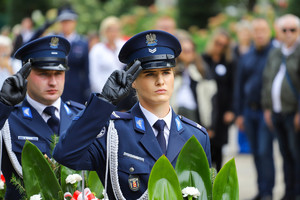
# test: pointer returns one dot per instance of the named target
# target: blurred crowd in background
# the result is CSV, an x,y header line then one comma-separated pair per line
x,y
245,74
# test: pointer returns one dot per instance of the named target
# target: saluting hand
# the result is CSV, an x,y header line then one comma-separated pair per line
x,y
14,88
118,85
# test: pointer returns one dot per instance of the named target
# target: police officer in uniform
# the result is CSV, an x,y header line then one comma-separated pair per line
x,y
38,85
123,147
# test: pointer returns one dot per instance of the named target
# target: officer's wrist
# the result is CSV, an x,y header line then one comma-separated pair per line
x,y
104,98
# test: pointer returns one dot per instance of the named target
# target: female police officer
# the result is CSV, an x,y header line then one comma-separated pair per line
x,y
123,147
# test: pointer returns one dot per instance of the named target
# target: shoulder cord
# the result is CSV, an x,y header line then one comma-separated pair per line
x,y
112,162
12,156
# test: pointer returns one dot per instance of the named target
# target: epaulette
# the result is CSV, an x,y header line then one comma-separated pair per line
x,y
120,115
77,105
191,122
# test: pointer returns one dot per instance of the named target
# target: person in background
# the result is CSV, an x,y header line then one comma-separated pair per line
x,y
30,104
77,85
280,100
244,42
6,68
277,40
25,34
166,23
104,55
248,90
194,88
93,39
219,58
138,138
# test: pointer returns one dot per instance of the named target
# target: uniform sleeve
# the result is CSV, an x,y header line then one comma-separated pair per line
x,y
4,113
78,147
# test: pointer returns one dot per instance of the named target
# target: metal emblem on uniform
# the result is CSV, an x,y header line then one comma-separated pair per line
x,y
134,182
54,42
102,132
151,40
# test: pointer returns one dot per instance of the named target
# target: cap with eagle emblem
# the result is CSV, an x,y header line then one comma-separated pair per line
x,y
153,48
49,53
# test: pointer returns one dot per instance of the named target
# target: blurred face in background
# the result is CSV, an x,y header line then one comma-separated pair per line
x,y
220,44
290,30
188,54
112,32
68,26
261,33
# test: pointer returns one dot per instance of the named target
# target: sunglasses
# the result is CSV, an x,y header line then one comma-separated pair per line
x,y
292,30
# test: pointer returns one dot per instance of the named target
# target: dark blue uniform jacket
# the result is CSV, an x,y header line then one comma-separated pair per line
x,y
84,145
26,123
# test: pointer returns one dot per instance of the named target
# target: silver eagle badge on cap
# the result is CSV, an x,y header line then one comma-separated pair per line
x,y
151,39
54,42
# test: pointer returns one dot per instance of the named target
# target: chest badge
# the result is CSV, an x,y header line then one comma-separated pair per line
x,y
134,182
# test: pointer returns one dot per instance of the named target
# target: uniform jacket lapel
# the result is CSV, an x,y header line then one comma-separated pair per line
x,y
176,141
36,122
148,140
66,116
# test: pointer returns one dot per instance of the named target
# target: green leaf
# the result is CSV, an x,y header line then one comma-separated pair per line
x,y
226,184
95,184
37,174
192,168
163,182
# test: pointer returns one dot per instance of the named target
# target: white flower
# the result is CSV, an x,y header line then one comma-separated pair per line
x,y
73,178
192,191
36,197
1,185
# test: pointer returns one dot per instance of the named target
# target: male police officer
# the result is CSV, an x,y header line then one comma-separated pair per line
x,y
42,113
123,147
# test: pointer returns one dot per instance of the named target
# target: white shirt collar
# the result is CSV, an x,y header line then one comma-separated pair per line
x,y
288,51
153,118
40,107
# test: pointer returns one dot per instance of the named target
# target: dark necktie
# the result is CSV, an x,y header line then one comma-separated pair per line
x,y
159,126
53,121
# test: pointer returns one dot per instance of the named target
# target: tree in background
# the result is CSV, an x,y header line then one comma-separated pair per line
x,y
293,7
196,12
18,9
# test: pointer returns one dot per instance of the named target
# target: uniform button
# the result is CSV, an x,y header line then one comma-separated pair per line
x,y
131,169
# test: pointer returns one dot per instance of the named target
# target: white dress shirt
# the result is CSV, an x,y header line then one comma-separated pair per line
x,y
277,82
41,107
153,118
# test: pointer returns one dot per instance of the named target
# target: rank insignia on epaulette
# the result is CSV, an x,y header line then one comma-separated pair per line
x,y
134,182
